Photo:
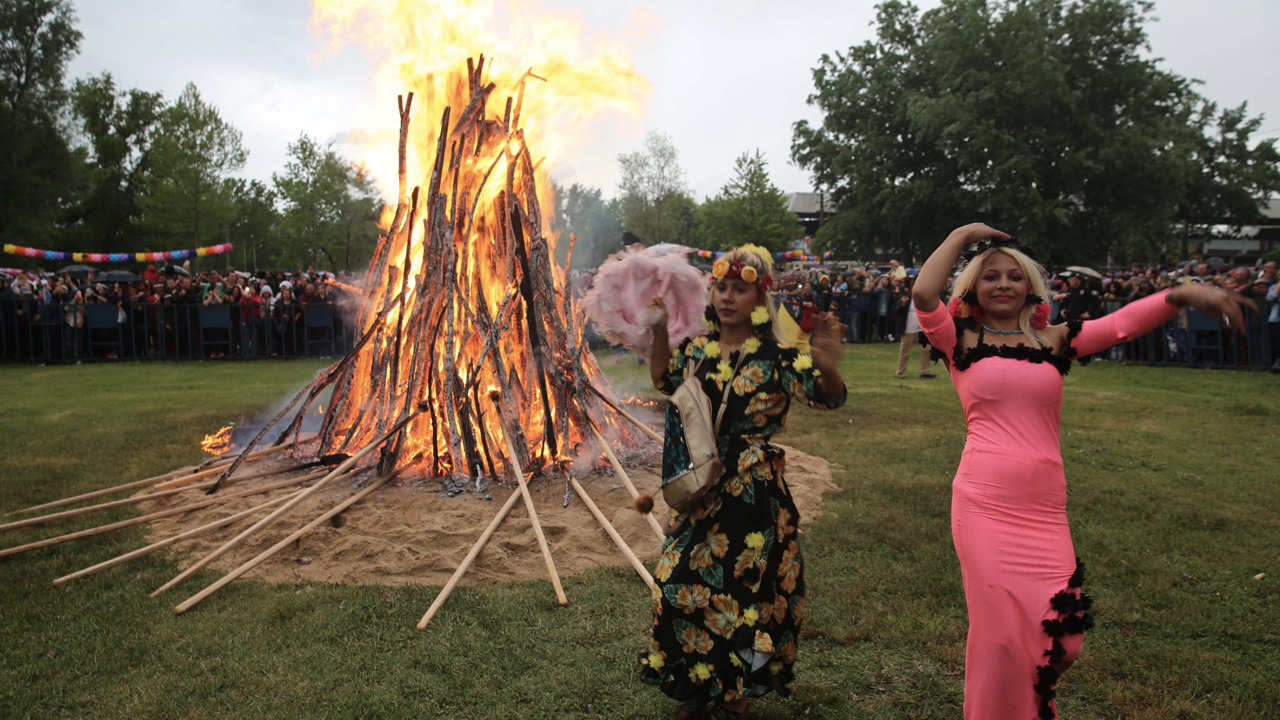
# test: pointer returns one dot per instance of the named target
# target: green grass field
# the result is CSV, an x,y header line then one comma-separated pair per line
x,y
1174,480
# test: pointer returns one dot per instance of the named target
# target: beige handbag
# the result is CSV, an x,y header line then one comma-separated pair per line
x,y
684,492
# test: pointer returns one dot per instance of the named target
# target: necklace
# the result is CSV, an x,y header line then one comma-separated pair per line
x,y
1000,332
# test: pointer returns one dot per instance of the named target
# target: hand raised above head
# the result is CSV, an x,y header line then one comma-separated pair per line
x,y
973,232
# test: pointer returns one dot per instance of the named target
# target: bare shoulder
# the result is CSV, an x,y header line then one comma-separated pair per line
x,y
1055,335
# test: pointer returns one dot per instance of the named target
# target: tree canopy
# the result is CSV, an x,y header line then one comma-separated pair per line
x,y
1041,117
749,209
654,194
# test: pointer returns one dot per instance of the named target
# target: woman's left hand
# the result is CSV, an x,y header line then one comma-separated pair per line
x,y
825,342
1214,302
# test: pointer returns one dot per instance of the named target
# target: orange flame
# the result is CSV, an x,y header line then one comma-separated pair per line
x,y
219,442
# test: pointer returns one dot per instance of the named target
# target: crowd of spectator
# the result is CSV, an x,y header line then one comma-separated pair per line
x,y
161,314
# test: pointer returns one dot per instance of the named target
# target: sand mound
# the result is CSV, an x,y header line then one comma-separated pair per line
x,y
413,535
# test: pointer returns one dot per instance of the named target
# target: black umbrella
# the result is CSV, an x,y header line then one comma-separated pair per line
x,y
121,276
78,271
174,270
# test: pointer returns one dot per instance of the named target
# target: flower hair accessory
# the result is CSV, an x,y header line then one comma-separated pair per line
x,y
735,270
985,244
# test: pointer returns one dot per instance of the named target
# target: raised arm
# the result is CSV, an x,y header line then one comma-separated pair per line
x,y
661,353
1142,316
932,279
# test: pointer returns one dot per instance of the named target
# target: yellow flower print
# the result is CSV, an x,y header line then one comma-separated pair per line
x,y
760,315
700,673
752,455
717,541
692,597
750,617
751,345
724,371
666,563
779,609
722,616
797,611
711,349
733,658
775,667
708,323
787,653
785,527
804,362
748,380
763,643
755,540
657,660
701,341
693,640
789,568
700,557
746,560
763,402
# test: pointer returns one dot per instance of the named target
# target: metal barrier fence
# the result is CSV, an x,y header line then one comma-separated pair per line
x,y
70,333
1191,340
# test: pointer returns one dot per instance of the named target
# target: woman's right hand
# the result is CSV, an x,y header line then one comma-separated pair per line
x,y
660,315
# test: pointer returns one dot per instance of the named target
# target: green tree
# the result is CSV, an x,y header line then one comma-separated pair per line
x,y
116,127
253,231
749,209
596,222
188,194
39,173
327,206
1041,117
654,196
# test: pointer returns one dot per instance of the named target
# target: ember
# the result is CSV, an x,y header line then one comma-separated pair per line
x,y
219,442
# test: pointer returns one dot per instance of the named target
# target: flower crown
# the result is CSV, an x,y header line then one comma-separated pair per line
x,y
985,244
734,270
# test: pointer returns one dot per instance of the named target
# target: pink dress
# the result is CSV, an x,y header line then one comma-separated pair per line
x,y
1009,509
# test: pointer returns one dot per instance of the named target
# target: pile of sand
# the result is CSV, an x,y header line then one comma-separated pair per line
x,y
414,535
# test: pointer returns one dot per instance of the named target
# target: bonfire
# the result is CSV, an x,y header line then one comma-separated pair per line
x,y
470,367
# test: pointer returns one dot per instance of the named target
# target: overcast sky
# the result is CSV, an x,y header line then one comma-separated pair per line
x,y
727,77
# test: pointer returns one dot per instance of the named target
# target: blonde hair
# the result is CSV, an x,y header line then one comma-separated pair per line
x,y
760,259
968,280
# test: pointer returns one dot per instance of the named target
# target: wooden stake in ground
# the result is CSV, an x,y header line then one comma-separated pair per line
x,y
617,468
120,560
618,409
337,472
198,597
617,539
469,559
537,526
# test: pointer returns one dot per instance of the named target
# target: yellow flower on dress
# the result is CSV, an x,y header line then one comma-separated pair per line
x,y
719,269
751,345
755,540
722,617
666,564
750,378
775,667
804,362
657,660
724,371
733,658
693,640
717,541
711,349
789,568
751,616
760,316
692,597
763,643
780,606
749,273
700,673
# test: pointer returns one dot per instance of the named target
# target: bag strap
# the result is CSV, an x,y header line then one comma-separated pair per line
x,y
691,371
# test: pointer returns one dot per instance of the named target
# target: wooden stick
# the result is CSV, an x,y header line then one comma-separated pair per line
x,y
644,428
617,468
469,559
617,539
142,519
136,500
198,597
220,462
537,526
169,541
339,471
187,479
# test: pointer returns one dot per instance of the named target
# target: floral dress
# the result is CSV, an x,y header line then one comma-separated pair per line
x,y
729,600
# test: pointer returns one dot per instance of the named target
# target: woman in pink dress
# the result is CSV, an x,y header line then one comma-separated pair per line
x,y
1021,576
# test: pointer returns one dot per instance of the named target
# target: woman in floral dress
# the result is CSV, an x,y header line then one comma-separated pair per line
x,y
729,601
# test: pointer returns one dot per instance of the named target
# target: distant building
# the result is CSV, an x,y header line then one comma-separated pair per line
x,y
1252,242
813,209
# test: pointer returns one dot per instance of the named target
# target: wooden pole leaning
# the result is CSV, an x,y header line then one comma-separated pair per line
x,y
119,560
537,526
188,479
469,559
617,468
144,518
618,409
136,500
337,472
264,555
613,533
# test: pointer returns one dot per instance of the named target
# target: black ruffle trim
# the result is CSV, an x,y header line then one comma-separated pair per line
x,y
1073,329
1073,619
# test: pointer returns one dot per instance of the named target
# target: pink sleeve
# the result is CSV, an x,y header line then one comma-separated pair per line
x,y
939,327
1131,321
